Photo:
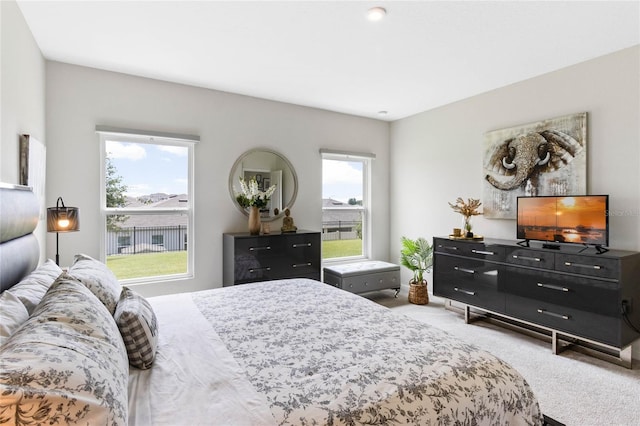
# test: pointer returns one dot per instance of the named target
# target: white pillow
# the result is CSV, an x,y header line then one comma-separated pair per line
x,y
12,315
32,288
67,363
98,278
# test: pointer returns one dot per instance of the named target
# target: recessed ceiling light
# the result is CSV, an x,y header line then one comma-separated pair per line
x,y
382,113
376,13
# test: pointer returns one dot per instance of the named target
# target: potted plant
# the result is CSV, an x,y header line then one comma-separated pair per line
x,y
417,256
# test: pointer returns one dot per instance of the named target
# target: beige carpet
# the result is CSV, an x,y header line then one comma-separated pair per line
x,y
572,388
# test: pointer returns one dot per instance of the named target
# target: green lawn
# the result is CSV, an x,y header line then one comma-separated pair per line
x,y
341,248
148,264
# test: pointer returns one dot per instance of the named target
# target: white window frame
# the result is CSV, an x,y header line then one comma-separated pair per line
x,y
152,138
366,159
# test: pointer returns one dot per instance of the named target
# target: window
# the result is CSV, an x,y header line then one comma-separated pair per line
x,y
345,205
147,204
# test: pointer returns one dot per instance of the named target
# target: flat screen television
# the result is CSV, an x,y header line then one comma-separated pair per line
x,y
581,219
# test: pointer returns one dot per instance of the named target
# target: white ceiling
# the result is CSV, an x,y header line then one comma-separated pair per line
x,y
327,55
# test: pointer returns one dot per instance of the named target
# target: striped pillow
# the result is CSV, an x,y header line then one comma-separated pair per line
x,y
139,328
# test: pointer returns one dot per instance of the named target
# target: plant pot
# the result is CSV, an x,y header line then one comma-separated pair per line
x,y
418,293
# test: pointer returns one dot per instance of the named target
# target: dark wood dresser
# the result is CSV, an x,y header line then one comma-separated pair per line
x,y
575,294
249,258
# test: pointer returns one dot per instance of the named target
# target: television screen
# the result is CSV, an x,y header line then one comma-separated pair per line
x,y
579,219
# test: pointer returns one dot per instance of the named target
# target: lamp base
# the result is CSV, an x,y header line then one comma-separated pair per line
x,y
57,254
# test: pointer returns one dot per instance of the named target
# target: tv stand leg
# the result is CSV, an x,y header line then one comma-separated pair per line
x,y
626,356
556,346
469,318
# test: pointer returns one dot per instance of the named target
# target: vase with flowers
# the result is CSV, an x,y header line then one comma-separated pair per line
x,y
250,196
467,210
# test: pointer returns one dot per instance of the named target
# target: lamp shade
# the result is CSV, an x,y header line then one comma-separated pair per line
x,y
62,218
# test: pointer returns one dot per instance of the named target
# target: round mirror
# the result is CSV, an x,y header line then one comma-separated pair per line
x,y
268,168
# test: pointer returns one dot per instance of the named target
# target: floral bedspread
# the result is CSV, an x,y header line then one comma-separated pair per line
x,y
321,355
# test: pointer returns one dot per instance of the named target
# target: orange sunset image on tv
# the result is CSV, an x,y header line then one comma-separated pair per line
x,y
567,219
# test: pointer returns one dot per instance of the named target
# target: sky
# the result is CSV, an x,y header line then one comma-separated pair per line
x,y
342,180
148,168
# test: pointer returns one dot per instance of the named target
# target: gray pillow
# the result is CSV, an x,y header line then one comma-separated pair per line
x,y
139,328
98,278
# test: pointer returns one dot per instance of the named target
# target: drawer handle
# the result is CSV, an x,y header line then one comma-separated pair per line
x,y
535,259
468,271
553,314
582,265
470,293
552,287
488,253
259,248
297,265
448,247
266,268
301,245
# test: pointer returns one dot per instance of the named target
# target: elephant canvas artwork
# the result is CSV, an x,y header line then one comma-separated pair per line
x,y
548,157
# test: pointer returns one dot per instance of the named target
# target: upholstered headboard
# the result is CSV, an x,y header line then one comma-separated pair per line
x,y
19,249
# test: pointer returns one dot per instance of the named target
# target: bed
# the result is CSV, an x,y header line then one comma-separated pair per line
x,y
279,352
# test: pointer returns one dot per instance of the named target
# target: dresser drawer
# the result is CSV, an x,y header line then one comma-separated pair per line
x,y
474,249
481,297
258,247
250,268
590,325
527,257
588,265
581,293
469,281
300,249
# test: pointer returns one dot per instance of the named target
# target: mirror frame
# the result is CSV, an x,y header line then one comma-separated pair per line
x,y
233,172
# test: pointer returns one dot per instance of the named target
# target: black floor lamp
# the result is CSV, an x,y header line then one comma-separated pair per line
x,y
62,219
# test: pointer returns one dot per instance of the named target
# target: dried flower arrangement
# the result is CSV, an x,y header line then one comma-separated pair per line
x,y
468,209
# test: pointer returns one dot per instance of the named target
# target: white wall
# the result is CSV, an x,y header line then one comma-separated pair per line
x,y
80,98
22,91
440,151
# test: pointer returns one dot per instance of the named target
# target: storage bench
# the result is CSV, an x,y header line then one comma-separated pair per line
x,y
363,277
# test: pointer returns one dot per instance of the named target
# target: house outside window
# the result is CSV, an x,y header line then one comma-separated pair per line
x,y
124,241
147,204
345,205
